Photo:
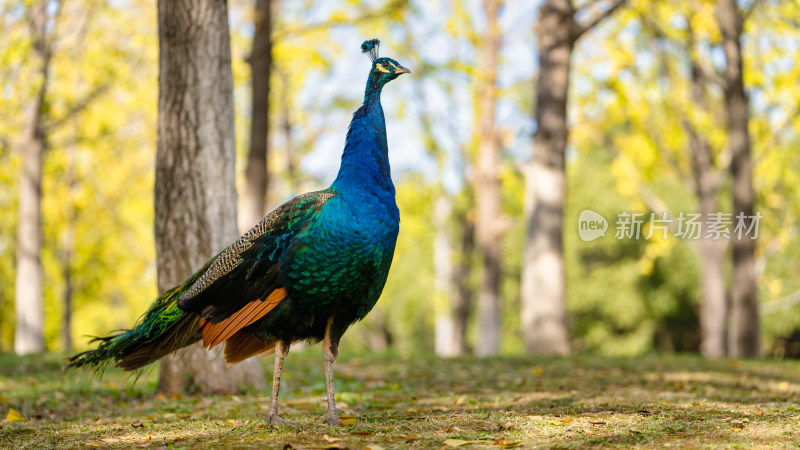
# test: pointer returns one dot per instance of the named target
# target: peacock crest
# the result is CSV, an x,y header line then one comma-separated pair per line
x,y
370,47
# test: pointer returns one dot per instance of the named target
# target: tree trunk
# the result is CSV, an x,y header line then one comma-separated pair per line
x,y
543,302
487,190
286,127
544,327
713,303
443,271
744,334
256,174
195,194
461,300
29,332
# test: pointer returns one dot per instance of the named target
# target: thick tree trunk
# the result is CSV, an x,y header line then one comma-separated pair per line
x,y
744,335
544,327
29,331
543,302
195,194
254,199
487,191
713,303
29,334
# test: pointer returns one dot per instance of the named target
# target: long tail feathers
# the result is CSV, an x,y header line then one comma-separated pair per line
x,y
163,329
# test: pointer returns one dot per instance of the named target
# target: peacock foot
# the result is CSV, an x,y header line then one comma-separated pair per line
x,y
275,420
331,418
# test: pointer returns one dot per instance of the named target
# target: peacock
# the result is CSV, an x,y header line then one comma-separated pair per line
x,y
306,272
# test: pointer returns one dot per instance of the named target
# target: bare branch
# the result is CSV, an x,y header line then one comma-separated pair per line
x,y
583,28
708,73
389,8
78,107
781,305
780,134
749,11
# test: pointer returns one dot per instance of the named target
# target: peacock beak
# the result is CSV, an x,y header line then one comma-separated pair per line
x,y
401,69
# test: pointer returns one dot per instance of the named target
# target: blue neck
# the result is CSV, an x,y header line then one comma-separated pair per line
x,y
365,160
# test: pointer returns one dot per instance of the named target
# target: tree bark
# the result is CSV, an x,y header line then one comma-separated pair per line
x,y
461,300
254,200
744,334
542,296
543,310
443,270
29,331
195,194
68,250
292,176
487,190
713,301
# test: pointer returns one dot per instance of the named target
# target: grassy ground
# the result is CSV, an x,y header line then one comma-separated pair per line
x,y
420,403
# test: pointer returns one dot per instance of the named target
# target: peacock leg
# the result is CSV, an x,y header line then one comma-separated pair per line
x,y
330,349
281,350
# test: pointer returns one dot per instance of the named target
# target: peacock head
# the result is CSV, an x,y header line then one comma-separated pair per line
x,y
383,70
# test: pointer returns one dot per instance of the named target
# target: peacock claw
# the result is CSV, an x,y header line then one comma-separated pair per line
x,y
276,421
331,419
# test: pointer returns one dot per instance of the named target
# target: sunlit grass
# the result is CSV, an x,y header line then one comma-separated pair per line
x,y
420,403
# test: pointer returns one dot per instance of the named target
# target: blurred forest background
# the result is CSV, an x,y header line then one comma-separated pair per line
x,y
478,158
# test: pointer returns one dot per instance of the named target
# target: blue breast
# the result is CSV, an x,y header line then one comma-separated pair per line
x,y
347,249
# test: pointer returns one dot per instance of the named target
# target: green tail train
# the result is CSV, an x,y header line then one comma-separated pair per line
x,y
163,329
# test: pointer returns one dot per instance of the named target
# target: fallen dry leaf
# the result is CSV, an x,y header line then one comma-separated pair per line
x,y
348,422
506,426
14,416
457,442
330,439
110,440
562,421
597,422
410,437
503,443
373,447
235,423
634,432
737,423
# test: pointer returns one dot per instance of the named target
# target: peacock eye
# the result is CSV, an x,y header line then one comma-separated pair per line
x,y
385,64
